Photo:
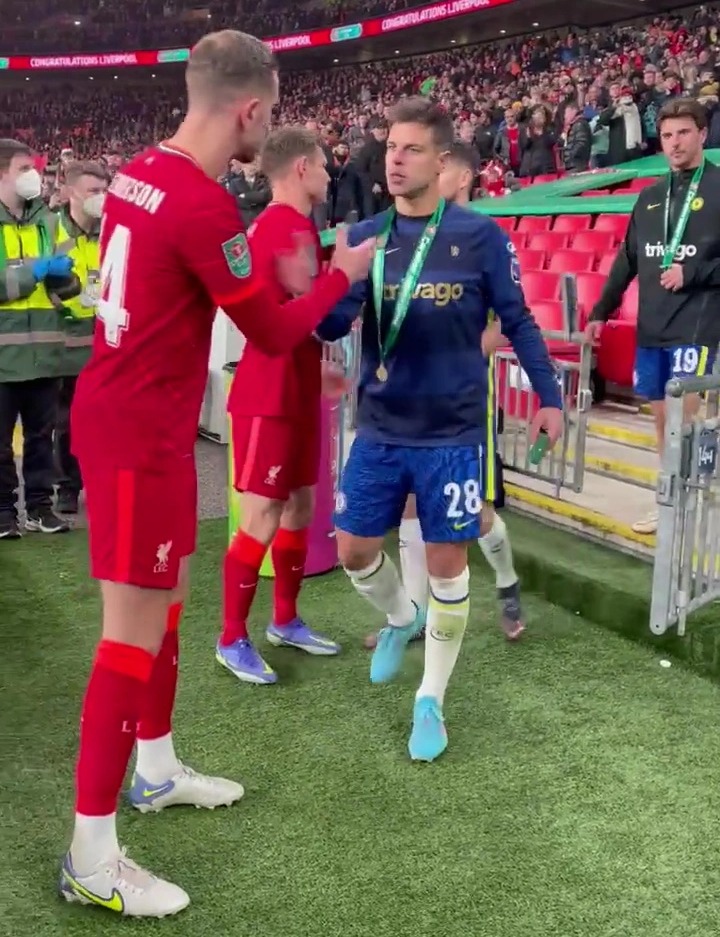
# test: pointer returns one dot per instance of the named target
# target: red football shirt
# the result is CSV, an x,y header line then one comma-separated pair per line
x,y
172,251
287,386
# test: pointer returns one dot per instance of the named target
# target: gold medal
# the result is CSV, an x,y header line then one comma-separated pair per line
x,y
381,374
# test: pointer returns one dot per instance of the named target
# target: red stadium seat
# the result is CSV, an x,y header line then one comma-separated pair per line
x,y
506,222
531,259
540,285
548,241
628,311
569,224
606,262
519,239
548,314
637,185
594,193
589,288
594,242
571,261
616,352
532,223
615,224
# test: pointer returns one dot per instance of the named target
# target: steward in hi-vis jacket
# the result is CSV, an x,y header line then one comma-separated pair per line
x,y
85,187
36,277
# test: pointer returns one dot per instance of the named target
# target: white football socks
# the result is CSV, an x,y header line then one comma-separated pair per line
x,y
498,552
94,842
156,759
380,584
447,619
413,562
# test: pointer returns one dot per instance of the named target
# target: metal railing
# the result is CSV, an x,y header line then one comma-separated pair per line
x,y
686,573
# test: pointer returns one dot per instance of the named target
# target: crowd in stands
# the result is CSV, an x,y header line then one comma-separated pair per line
x,y
535,104
68,26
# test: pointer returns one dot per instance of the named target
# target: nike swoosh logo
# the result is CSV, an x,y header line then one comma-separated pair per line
x,y
152,792
392,250
113,903
296,569
654,205
461,526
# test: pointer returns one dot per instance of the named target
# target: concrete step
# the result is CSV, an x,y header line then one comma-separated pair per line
x,y
621,467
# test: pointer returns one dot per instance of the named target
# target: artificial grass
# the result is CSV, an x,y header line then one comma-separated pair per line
x,y
576,798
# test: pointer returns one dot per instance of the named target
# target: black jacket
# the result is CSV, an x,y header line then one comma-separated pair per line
x,y
577,146
370,163
252,196
667,319
538,155
350,195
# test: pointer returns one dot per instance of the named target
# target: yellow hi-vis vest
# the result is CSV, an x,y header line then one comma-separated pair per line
x,y
80,310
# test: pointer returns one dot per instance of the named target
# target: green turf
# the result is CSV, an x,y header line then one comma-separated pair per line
x,y
577,798
608,588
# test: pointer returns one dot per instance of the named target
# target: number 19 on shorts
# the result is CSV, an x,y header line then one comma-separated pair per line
x,y
463,500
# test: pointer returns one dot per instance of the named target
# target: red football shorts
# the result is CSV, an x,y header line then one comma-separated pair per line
x,y
274,457
141,524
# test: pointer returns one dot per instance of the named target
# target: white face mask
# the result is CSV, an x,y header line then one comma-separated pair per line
x,y
93,205
626,100
28,185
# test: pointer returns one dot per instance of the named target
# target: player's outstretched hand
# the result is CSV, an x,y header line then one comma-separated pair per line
x,y
548,420
593,330
353,261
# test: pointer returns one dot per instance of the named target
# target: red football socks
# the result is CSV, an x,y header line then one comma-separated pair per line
x,y
289,553
111,709
241,571
156,721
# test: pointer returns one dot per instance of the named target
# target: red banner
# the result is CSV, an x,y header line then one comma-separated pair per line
x,y
314,38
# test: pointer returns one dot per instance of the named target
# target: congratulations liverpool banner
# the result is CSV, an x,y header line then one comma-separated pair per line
x,y
313,38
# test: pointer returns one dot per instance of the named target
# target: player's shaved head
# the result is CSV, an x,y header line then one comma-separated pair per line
x,y
227,63
425,113
286,145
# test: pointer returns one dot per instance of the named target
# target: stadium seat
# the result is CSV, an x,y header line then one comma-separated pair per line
x,y
569,224
506,222
548,241
616,353
594,242
595,193
628,311
540,285
548,314
531,259
606,262
637,185
529,224
519,239
589,288
571,261
615,224
546,177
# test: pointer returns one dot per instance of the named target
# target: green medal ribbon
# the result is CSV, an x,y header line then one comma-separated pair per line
x,y
671,248
407,286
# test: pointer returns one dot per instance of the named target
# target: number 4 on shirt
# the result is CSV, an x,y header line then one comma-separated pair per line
x,y
111,306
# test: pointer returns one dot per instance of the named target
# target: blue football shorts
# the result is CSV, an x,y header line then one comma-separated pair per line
x,y
450,484
655,366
